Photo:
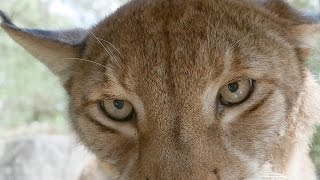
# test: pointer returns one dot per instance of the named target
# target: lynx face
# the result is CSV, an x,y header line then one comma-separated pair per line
x,y
191,89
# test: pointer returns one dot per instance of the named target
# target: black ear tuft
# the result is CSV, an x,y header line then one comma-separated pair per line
x,y
5,18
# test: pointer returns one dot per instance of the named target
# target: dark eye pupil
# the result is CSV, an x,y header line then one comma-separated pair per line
x,y
118,104
233,87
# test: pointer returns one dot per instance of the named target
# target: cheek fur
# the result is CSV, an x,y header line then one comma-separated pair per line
x,y
252,136
107,144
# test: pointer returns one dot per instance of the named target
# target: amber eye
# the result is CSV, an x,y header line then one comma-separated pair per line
x,y
118,110
236,92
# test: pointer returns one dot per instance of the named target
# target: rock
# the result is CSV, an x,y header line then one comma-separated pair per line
x,y
47,157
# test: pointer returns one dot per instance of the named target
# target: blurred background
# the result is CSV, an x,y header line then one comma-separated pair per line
x,y
32,103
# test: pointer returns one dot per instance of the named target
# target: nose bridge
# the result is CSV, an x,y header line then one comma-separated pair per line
x,y
177,125
175,141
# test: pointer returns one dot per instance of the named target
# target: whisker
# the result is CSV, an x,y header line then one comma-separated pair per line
x,y
273,175
111,46
219,21
104,47
92,62
89,61
239,40
277,177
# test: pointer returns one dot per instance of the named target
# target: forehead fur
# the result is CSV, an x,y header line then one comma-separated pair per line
x,y
177,40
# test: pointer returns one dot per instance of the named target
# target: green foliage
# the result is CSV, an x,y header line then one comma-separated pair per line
x,y
309,5
28,91
315,150
314,62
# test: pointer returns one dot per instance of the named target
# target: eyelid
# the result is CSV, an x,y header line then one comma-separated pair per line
x,y
88,101
106,90
112,97
128,129
236,80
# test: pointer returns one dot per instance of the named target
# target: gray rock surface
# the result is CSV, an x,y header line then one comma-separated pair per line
x,y
45,157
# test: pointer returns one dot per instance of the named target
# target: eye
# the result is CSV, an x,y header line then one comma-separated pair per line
x,y
236,92
118,110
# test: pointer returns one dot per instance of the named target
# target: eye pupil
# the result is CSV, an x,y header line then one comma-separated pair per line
x,y
118,104
233,87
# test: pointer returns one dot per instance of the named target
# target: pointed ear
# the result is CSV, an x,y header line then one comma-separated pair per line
x,y
55,49
284,10
305,38
303,28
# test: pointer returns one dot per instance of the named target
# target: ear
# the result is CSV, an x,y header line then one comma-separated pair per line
x,y
283,10
56,49
302,28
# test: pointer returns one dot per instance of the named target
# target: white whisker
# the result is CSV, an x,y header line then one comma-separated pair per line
x,y
274,175
277,177
239,40
105,48
89,61
219,21
111,45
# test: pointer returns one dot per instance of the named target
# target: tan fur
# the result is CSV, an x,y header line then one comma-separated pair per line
x,y
170,59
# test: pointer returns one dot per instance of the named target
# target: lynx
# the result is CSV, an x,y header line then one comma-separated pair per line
x,y
189,89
